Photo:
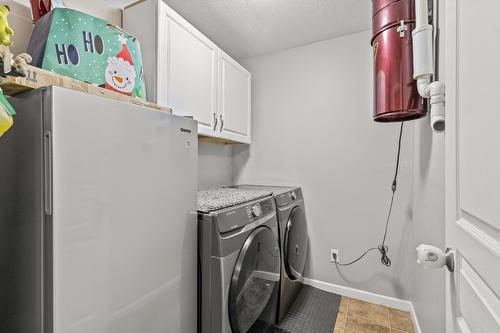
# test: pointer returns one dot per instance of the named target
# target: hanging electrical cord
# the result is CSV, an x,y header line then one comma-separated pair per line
x,y
382,248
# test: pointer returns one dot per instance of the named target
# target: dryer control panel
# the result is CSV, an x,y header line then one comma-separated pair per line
x,y
289,197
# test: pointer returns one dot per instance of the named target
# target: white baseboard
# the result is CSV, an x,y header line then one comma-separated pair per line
x,y
367,297
414,318
361,294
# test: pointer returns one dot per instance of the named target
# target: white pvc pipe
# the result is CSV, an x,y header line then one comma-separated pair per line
x,y
422,85
421,13
437,96
423,66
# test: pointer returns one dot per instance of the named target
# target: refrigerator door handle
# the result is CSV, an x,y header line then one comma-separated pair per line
x,y
47,171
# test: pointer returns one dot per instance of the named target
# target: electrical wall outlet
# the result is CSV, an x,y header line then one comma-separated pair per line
x,y
334,255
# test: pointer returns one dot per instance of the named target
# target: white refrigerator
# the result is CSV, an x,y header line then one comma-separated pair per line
x,y
97,217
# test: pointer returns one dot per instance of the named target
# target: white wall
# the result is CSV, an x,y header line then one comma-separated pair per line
x,y
428,295
215,166
312,127
429,214
98,8
20,22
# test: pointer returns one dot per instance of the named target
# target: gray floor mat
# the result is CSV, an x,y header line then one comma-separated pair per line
x,y
314,311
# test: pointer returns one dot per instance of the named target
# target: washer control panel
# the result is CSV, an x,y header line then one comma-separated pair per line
x,y
239,216
258,210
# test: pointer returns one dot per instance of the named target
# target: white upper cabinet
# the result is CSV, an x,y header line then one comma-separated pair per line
x,y
234,99
186,71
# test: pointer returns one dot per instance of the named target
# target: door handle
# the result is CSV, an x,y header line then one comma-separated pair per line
x,y
47,171
215,122
221,123
430,256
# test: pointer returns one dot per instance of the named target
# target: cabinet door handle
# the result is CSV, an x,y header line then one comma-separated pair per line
x,y
215,122
221,123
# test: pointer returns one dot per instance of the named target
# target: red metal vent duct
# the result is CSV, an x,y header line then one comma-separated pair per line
x,y
396,97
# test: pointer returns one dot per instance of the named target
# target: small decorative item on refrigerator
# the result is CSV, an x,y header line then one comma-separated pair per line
x,y
89,49
6,113
41,7
5,39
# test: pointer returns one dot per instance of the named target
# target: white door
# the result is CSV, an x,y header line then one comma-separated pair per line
x,y
187,68
473,165
234,100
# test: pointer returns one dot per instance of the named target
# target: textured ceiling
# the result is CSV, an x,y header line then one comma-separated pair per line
x,y
246,28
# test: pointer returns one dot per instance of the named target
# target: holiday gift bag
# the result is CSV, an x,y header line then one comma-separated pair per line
x,y
89,49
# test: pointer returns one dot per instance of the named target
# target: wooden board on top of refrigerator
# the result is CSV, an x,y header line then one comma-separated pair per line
x,y
37,78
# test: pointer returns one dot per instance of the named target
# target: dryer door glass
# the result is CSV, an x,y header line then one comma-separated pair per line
x,y
254,286
295,244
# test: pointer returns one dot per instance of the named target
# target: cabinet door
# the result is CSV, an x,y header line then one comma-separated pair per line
x,y
187,70
234,100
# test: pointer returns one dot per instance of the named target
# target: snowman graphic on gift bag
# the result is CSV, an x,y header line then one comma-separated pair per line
x,y
120,71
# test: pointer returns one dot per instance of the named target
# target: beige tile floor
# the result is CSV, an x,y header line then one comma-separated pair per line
x,y
357,316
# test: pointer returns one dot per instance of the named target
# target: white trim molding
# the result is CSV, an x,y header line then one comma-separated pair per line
x,y
367,296
414,318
